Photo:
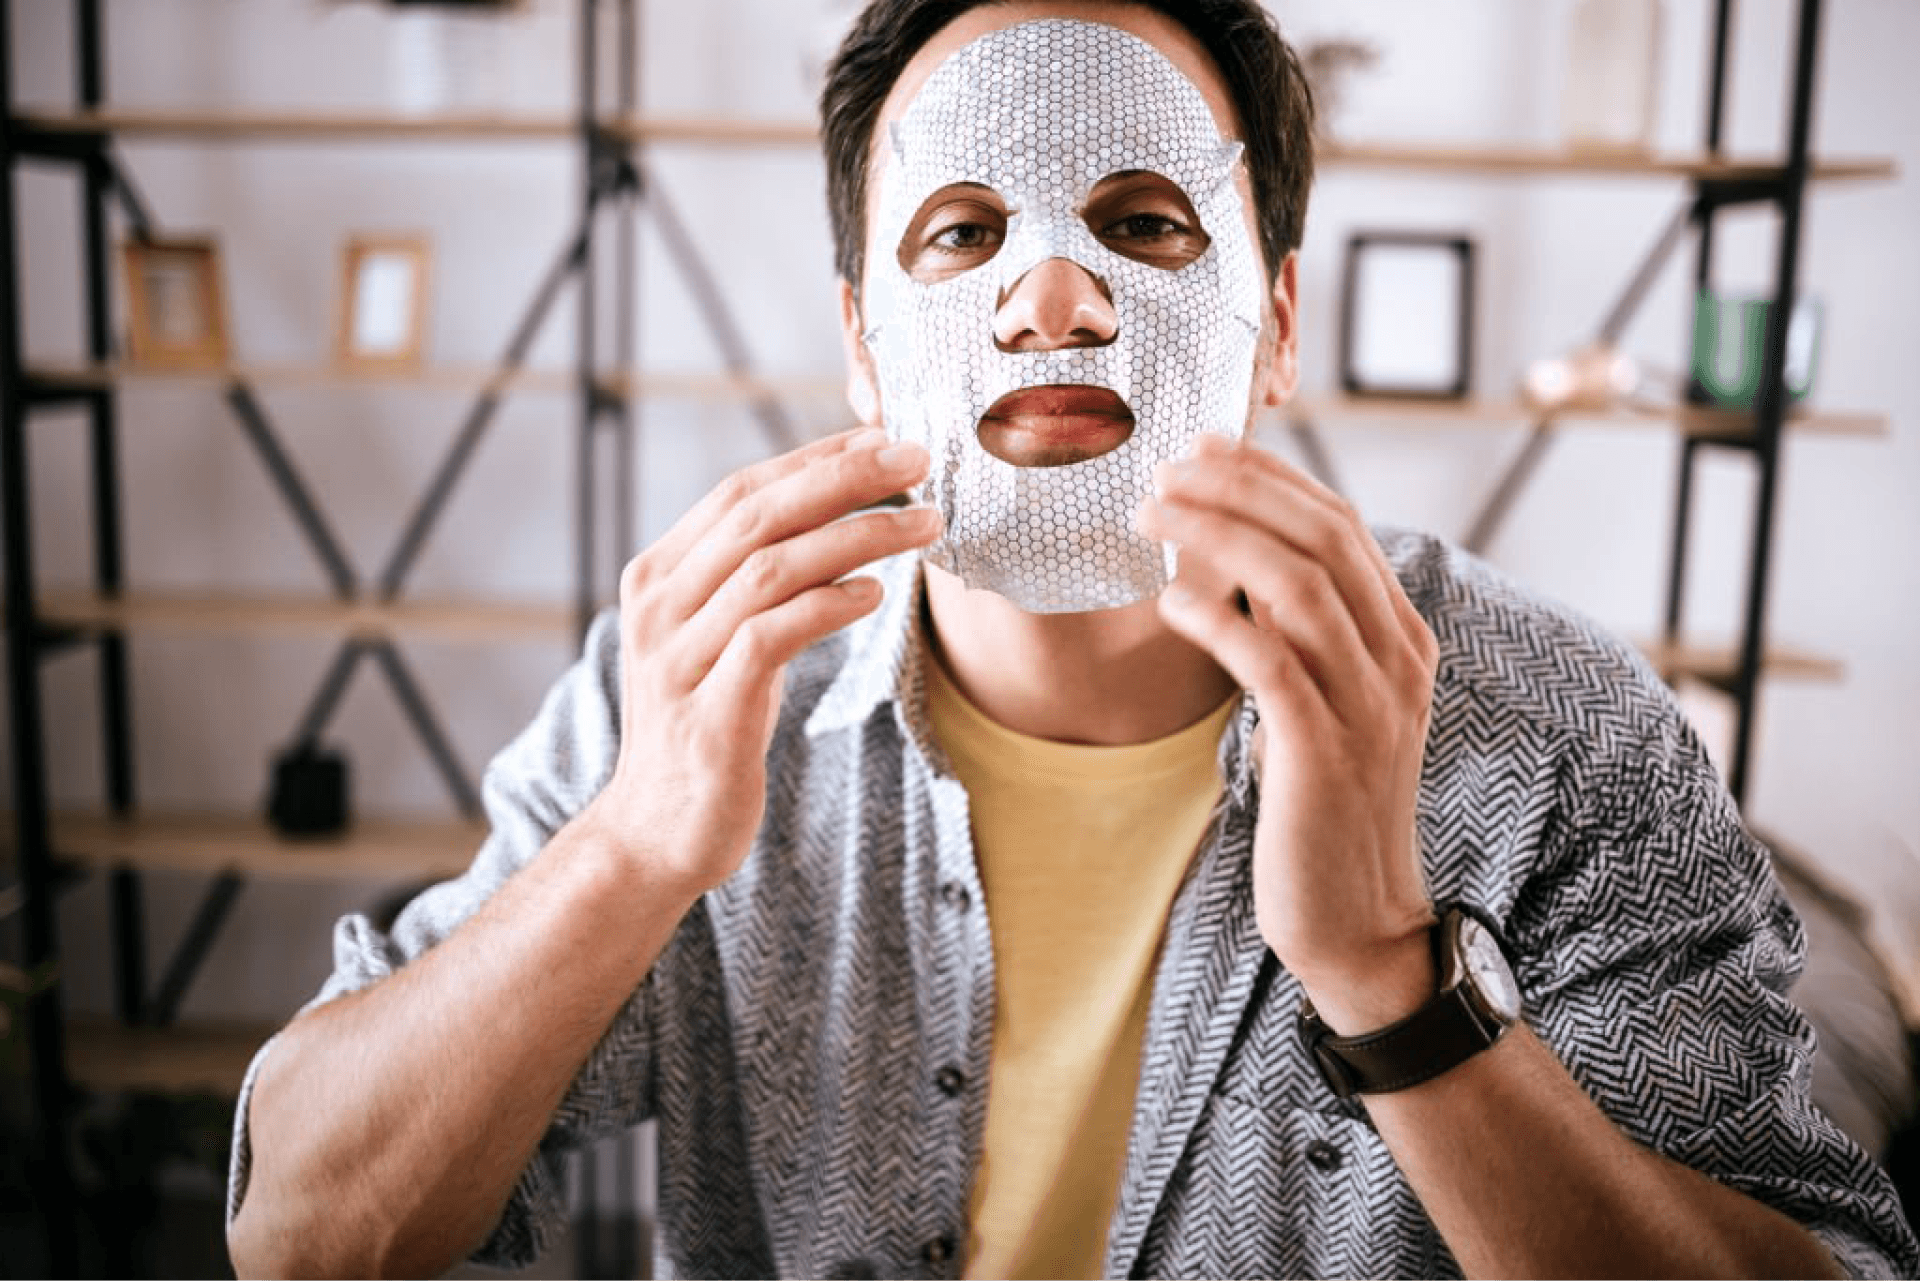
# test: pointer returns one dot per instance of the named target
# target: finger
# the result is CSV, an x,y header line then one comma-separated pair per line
x,y
1333,501
761,647
1293,596
687,532
782,571
1259,488
1283,686
1193,572
808,498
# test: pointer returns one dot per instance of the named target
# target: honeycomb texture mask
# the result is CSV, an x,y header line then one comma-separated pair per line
x,y
1041,112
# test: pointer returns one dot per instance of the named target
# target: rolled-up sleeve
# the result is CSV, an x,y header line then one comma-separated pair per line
x,y
531,789
1657,950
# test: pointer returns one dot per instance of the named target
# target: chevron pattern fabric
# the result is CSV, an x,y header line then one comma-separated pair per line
x,y
800,1039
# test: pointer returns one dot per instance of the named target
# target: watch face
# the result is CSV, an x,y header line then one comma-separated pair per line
x,y
1489,970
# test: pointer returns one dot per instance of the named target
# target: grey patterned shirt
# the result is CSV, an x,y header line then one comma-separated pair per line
x,y
813,1042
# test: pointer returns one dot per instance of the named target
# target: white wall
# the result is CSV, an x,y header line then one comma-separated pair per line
x,y
1837,763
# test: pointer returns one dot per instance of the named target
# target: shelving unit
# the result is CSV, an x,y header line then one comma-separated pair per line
x,y
370,617
608,381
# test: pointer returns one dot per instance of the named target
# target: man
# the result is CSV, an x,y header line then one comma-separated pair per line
x,y
1248,798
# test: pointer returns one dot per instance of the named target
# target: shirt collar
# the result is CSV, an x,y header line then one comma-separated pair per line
x,y
885,653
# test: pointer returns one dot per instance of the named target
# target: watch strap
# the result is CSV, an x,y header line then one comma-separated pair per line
x,y
1452,1027
1439,1036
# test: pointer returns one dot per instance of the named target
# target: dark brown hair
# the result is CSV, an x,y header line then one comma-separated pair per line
x,y
1259,68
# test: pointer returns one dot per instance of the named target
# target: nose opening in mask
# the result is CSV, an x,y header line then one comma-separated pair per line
x,y
1055,304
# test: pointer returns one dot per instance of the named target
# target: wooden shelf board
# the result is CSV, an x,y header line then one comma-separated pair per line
x,y
437,377
1496,412
375,126
728,387
722,388
1518,161
718,388
1718,664
184,1059
438,620
323,125
716,131
371,849
1733,424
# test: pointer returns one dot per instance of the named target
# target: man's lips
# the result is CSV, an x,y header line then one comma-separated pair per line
x,y
1055,426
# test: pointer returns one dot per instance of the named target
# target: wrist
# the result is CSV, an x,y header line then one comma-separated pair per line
x,y
1370,992
620,855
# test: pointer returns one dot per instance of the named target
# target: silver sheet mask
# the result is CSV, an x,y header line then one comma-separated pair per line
x,y
1040,113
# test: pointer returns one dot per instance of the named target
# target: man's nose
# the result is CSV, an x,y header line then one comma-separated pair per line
x,y
1056,304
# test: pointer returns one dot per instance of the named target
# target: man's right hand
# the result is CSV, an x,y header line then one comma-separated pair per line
x,y
709,617
389,1126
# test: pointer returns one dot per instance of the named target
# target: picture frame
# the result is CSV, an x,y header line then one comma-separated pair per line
x,y
384,279
1406,303
176,303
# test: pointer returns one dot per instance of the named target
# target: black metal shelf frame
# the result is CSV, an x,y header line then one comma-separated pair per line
x,y
1786,193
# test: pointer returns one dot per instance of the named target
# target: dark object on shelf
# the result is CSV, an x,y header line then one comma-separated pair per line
x,y
1327,64
309,796
1406,314
1730,345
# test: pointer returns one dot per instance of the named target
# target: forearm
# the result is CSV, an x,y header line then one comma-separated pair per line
x,y
389,1127
1525,1176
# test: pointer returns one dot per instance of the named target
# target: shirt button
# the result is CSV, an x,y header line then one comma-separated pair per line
x,y
1324,1155
938,1252
951,1081
955,896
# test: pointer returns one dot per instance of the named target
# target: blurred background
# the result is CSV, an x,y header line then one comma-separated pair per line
x,y
279,131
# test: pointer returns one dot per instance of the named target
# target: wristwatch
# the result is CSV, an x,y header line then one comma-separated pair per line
x,y
1477,1002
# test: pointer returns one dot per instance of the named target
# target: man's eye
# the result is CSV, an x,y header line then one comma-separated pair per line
x,y
1145,227
964,237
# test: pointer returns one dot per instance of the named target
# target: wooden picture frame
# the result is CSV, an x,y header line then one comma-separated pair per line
x,y
176,305
1406,326
383,303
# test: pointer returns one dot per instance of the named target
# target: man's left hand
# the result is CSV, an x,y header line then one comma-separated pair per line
x,y
1281,582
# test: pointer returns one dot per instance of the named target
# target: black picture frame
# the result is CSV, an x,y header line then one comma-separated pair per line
x,y
1420,347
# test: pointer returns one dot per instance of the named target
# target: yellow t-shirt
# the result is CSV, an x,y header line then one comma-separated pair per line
x,y
1081,851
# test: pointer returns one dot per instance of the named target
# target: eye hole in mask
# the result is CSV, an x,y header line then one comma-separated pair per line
x,y
957,228
1146,217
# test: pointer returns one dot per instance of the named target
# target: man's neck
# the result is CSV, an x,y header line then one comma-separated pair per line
x,y
1108,678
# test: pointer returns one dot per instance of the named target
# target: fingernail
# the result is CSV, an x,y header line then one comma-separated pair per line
x,y
901,456
1178,595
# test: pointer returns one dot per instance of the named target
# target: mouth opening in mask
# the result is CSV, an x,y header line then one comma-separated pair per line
x,y
1055,426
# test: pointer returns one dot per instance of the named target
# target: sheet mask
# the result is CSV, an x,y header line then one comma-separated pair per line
x,y
1040,113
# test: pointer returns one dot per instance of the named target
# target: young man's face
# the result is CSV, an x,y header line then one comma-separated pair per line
x,y
1062,289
